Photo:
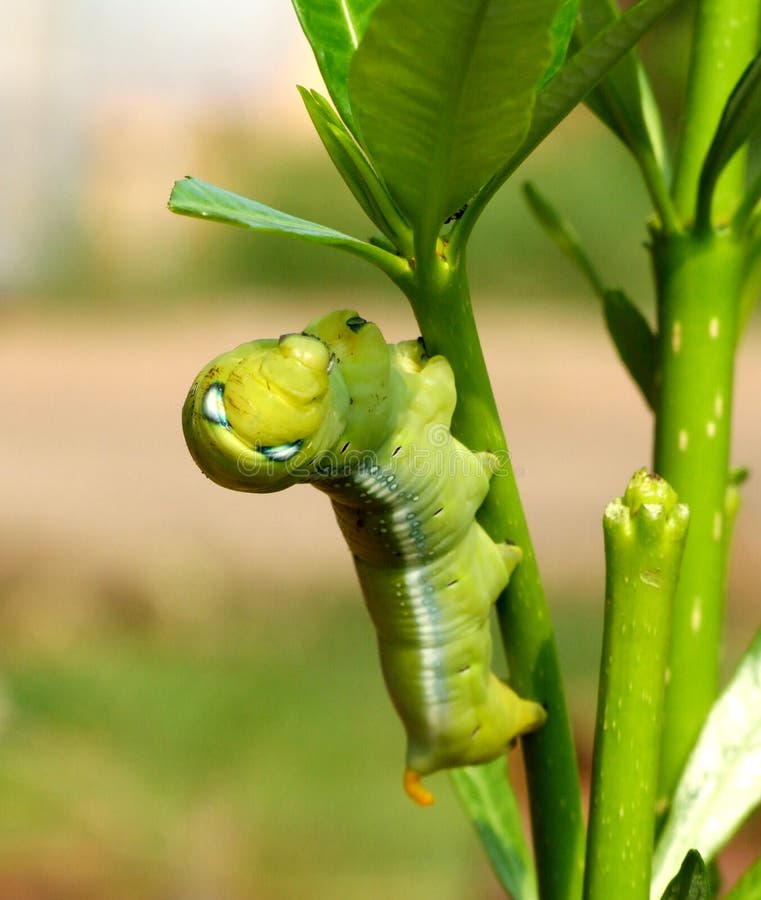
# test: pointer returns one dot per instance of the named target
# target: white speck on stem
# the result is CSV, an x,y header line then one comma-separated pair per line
x,y
683,440
718,525
696,619
713,328
718,405
711,429
676,337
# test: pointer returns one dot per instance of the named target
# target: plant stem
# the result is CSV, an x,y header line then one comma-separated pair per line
x,y
699,281
724,43
441,301
644,540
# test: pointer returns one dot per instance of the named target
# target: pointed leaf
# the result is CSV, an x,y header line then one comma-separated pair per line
x,y
624,99
634,339
563,235
691,882
335,28
721,782
486,794
356,171
193,197
590,65
635,342
562,30
567,89
739,121
442,91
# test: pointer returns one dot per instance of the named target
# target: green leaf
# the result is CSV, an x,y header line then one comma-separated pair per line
x,y
442,92
563,235
356,171
486,795
335,28
738,476
632,335
193,197
634,339
561,31
590,65
623,100
692,881
749,886
562,93
740,119
721,782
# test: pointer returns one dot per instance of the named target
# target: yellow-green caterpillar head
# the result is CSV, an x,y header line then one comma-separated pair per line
x,y
259,417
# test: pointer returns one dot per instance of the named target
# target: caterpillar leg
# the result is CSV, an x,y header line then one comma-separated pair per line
x,y
415,790
511,556
490,461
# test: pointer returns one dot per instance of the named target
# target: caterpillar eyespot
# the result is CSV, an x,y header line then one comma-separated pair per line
x,y
213,405
282,453
368,424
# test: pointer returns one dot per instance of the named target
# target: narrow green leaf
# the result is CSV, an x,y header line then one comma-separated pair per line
x,y
442,91
623,100
691,882
749,886
486,795
634,339
335,28
193,197
563,235
721,782
738,476
356,171
744,219
590,65
562,30
740,119
562,93
632,335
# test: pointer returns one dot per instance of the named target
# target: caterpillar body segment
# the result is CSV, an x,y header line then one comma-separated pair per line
x,y
368,424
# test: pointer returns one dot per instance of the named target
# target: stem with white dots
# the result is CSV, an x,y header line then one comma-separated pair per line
x,y
699,281
644,539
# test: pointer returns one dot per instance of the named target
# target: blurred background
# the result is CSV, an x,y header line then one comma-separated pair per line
x,y
190,703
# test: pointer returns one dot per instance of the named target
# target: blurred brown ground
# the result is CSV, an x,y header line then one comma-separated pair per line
x,y
95,474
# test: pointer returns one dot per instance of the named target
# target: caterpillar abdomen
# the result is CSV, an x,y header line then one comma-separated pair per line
x,y
369,425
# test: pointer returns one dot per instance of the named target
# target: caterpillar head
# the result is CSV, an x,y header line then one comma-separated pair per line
x,y
259,417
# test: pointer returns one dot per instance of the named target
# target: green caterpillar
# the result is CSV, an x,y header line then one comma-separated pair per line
x,y
368,424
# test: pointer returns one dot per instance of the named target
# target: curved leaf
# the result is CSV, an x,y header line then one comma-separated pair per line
x,y
335,28
691,882
739,120
193,197
721,782
356,171
632,335
486,794
624,99
442,92
562,30
561,94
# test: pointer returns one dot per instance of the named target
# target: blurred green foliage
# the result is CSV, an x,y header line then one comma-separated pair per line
x,y
258,759
509,258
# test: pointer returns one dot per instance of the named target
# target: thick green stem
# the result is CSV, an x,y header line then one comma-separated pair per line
x,y
725,41
644,541
440,299
699,281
